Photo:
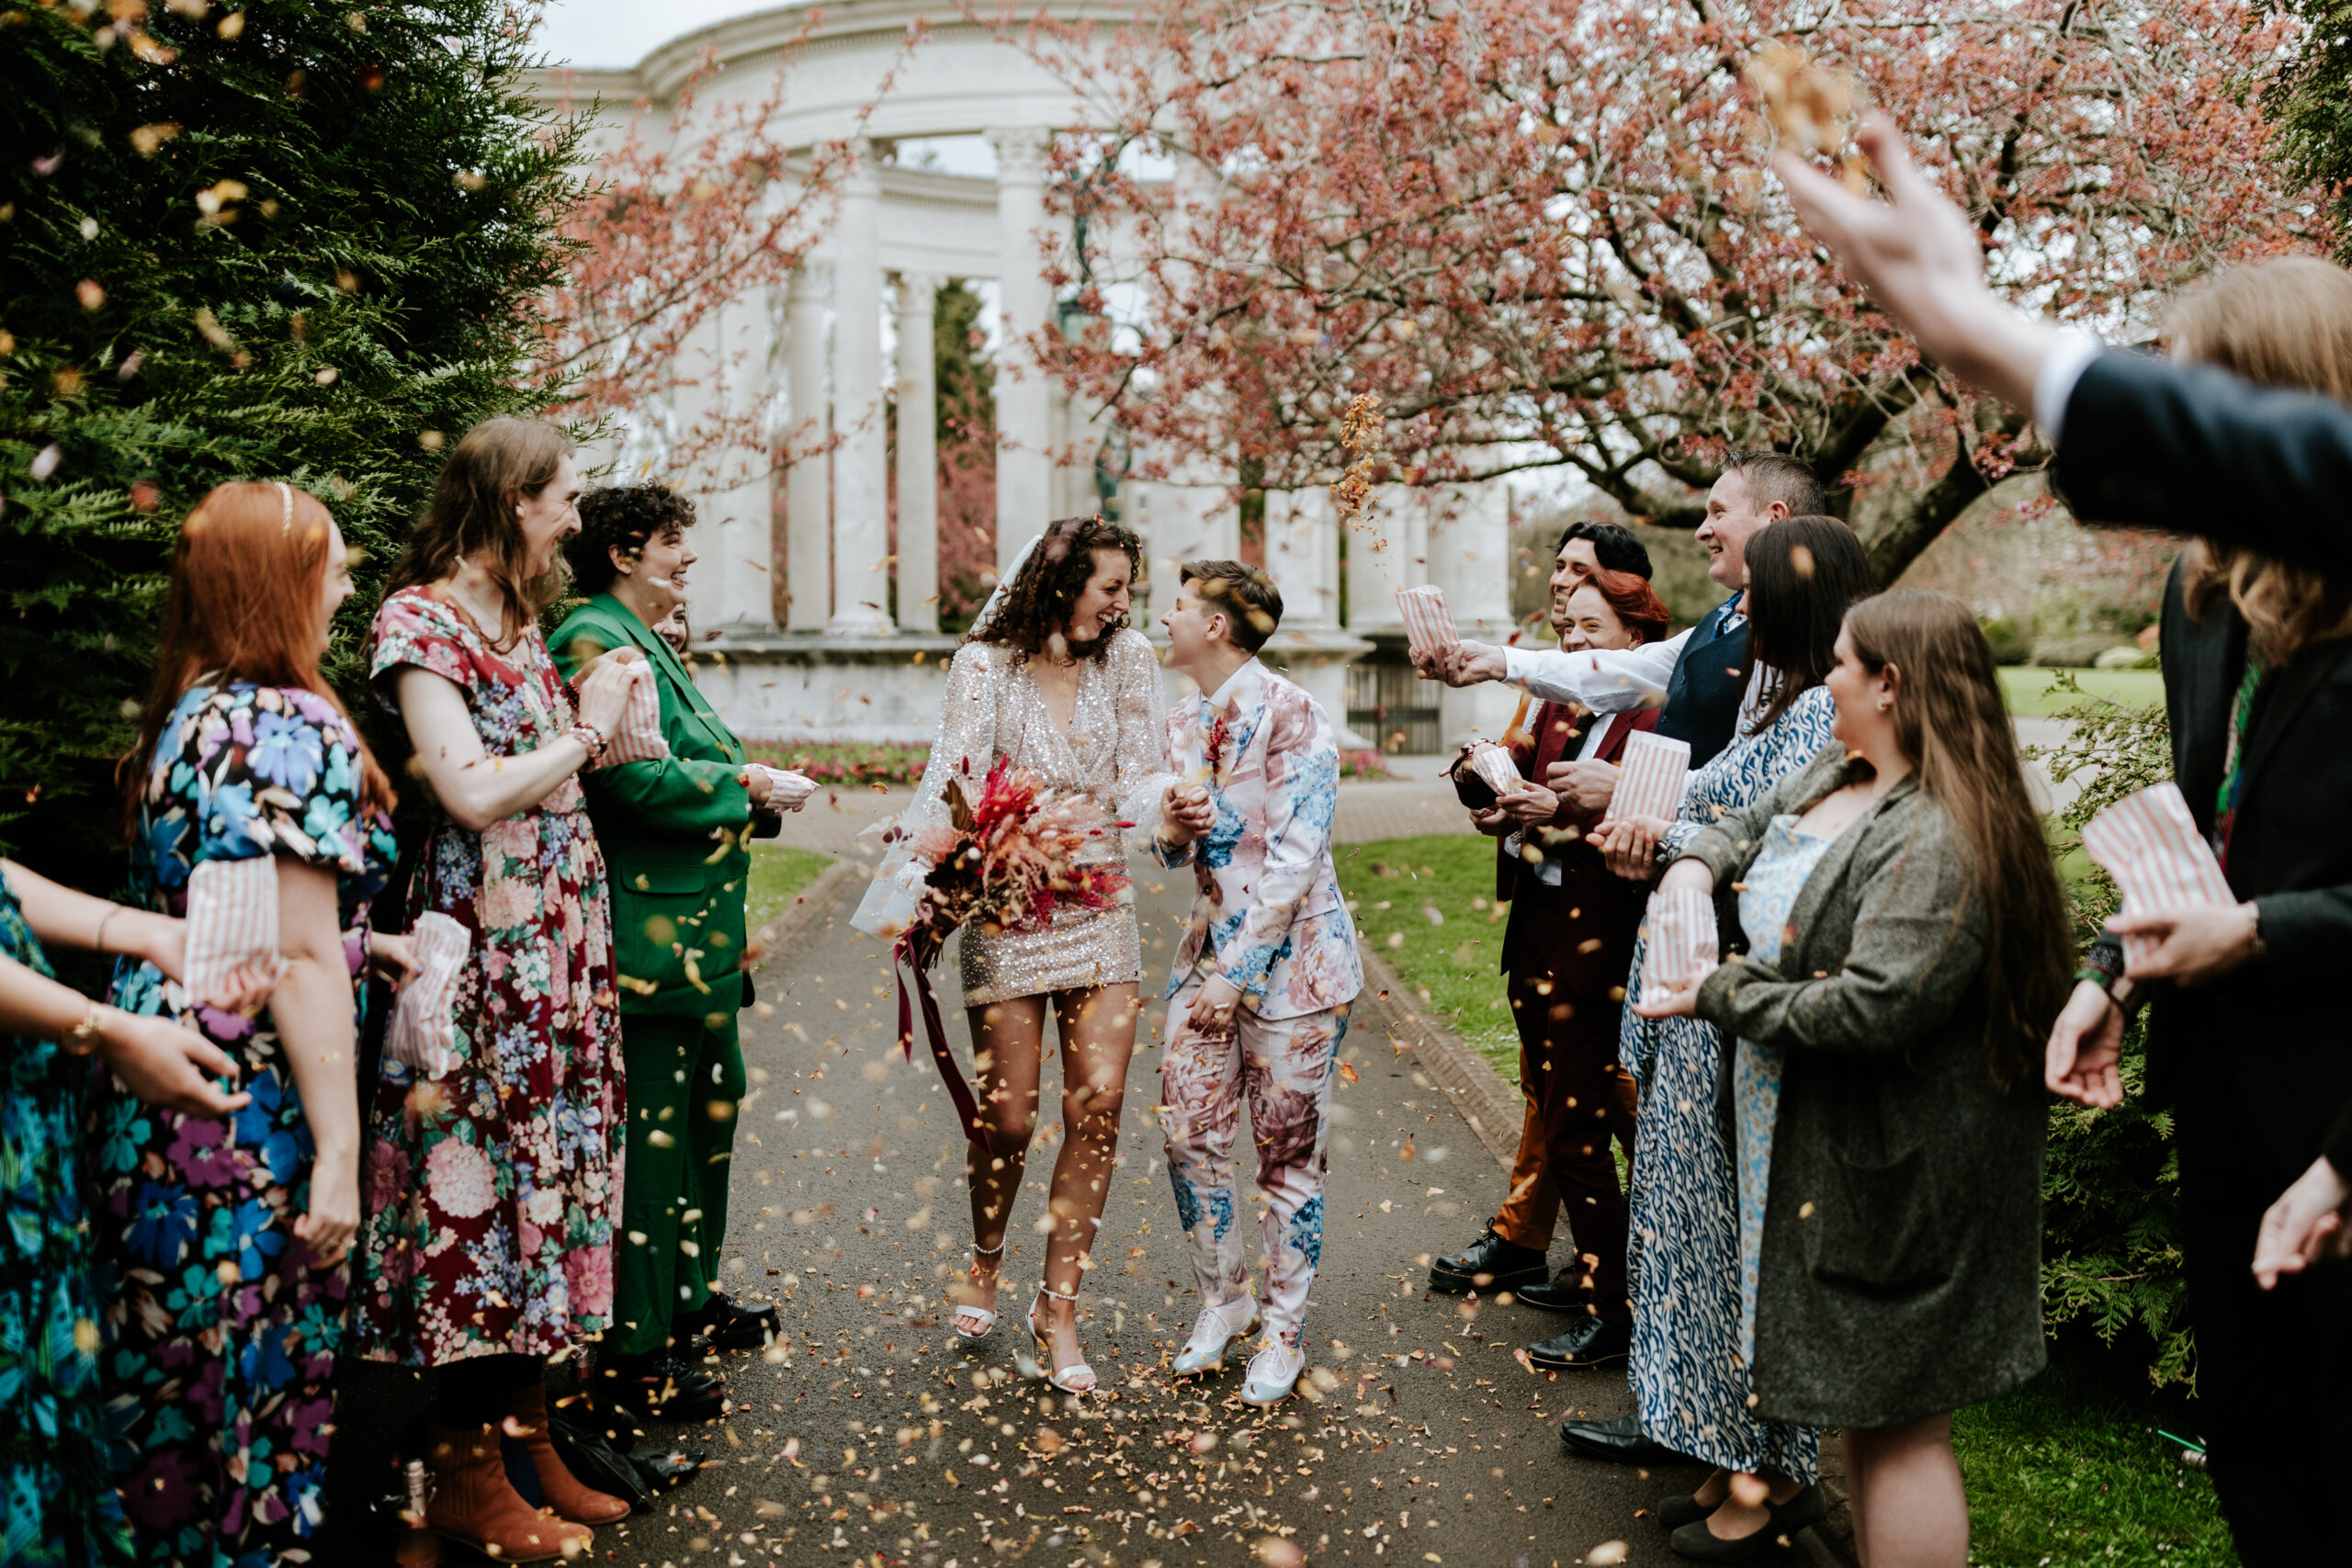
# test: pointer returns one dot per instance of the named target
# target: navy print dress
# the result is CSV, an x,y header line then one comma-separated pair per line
x,y
58,1508
221,1335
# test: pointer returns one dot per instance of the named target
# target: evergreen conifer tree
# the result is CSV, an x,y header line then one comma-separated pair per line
x,y
298,240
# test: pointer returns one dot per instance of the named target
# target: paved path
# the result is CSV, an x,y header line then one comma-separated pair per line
x,y
868,1430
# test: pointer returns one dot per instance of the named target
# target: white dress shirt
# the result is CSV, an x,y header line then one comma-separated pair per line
x,y
1618,680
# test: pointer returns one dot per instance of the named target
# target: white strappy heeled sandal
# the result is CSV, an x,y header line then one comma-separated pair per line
x,y
1076,1377
982,1318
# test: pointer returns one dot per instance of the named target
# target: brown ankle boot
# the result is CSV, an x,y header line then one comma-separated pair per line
x,y
473,1503
562,1490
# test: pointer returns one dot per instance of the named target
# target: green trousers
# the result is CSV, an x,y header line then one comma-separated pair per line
x,y
685,1081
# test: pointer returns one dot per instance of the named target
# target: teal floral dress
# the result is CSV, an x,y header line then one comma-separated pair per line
x,y
220,1335
58,1508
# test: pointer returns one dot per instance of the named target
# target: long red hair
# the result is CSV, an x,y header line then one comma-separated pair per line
x,y
247,573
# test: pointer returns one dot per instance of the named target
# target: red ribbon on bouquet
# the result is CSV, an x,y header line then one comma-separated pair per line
x,y
916,951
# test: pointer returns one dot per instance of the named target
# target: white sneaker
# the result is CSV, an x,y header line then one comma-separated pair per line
x,y
1214,1334
1273,1372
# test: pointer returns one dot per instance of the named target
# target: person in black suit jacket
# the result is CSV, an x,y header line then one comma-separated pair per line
x,y
2246,1034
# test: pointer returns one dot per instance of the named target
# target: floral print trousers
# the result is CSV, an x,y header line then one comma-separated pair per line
x,y
1285,1067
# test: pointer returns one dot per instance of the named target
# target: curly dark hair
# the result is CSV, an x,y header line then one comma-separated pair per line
x,y
1038,602
620,517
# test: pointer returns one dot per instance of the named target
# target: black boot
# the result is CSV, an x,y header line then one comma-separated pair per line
x,y
1488,1265
724,1326
1621,1442
1563,1292
1589,1342
664,1386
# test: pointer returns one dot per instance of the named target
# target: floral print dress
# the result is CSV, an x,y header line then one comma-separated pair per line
x,y
220,1335
490,1193
58,1507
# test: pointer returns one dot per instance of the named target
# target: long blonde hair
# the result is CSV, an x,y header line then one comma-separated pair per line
x,y
2286,322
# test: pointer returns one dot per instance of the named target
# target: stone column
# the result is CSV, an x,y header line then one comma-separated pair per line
x,y
808,488
861,473
1469,557
917,456
1303,557
1025,469
727,359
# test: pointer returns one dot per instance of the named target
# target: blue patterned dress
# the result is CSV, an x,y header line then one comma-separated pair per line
x,y
1682,1247
221,1335
58,1507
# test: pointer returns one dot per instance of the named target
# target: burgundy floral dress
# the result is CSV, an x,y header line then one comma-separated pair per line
x,y
220,1334
490,1193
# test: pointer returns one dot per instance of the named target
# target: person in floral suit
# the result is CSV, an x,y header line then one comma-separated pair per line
x,y
223,1239
1263,973
494,1188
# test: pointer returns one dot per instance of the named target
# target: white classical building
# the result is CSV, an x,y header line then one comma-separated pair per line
x,y
841,667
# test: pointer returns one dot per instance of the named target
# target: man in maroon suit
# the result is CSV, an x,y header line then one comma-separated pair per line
x,y
1566,951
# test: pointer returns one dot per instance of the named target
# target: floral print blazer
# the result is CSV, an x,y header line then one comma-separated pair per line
x,y
1268,915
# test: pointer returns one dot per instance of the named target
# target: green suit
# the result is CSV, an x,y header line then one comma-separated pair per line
x,y
675,838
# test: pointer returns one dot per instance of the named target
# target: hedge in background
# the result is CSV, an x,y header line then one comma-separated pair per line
x,y
2110,1250
297,242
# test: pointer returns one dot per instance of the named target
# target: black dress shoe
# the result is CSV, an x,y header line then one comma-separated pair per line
x,y
1614,1442
1700,1544
1563,1291
663,1387
1488,1265
724,1326
1589,1342
1676,1512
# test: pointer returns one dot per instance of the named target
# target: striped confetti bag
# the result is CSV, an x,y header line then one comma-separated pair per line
x,y
1682,940
2150,844
1649,781
423,1034
232,923
638,737
1429,626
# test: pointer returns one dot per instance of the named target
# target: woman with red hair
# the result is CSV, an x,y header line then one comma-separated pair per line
x,y
227,1237
1566,951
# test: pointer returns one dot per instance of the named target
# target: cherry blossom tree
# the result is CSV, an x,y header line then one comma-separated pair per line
x,y
673,227
1538,230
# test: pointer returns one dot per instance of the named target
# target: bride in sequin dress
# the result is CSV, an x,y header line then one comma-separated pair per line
x,y
1052,677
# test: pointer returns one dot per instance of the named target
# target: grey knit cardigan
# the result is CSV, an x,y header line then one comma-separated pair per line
x,y
1900,1274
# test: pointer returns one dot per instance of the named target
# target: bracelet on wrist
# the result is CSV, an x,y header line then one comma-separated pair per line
x,y
98,940
2098,976
591,740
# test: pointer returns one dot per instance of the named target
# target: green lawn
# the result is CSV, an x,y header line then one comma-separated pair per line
x,y
778,871
1394,887
2066,1469
2029,692
2070,1470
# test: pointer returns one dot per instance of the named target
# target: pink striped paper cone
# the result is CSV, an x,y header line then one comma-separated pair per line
x,y
1681,941
638,737
1429,626
1649,781
231,921
2149,843
1492,763
786,789
423,1034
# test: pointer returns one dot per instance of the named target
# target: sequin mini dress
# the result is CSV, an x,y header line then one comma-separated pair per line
x,y
1113,749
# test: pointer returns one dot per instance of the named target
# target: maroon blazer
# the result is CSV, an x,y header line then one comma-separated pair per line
x,y
1580,934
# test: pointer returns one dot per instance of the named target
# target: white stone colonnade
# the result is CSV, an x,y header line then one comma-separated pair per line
x,y
856,653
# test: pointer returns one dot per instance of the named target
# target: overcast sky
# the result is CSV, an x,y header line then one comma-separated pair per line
x,y
622,32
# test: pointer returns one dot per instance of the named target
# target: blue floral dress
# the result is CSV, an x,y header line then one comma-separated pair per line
x,y
221,1335
58,1508
1682,1245
1767,893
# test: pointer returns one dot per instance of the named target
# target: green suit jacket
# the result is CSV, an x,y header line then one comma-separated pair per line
x,y
675,834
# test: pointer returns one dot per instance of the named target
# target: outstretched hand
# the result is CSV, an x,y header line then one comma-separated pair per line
x,y
2080,1063
1923,263
2304,1225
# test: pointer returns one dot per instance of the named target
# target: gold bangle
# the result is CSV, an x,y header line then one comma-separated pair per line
x,y
99,942
84,1037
